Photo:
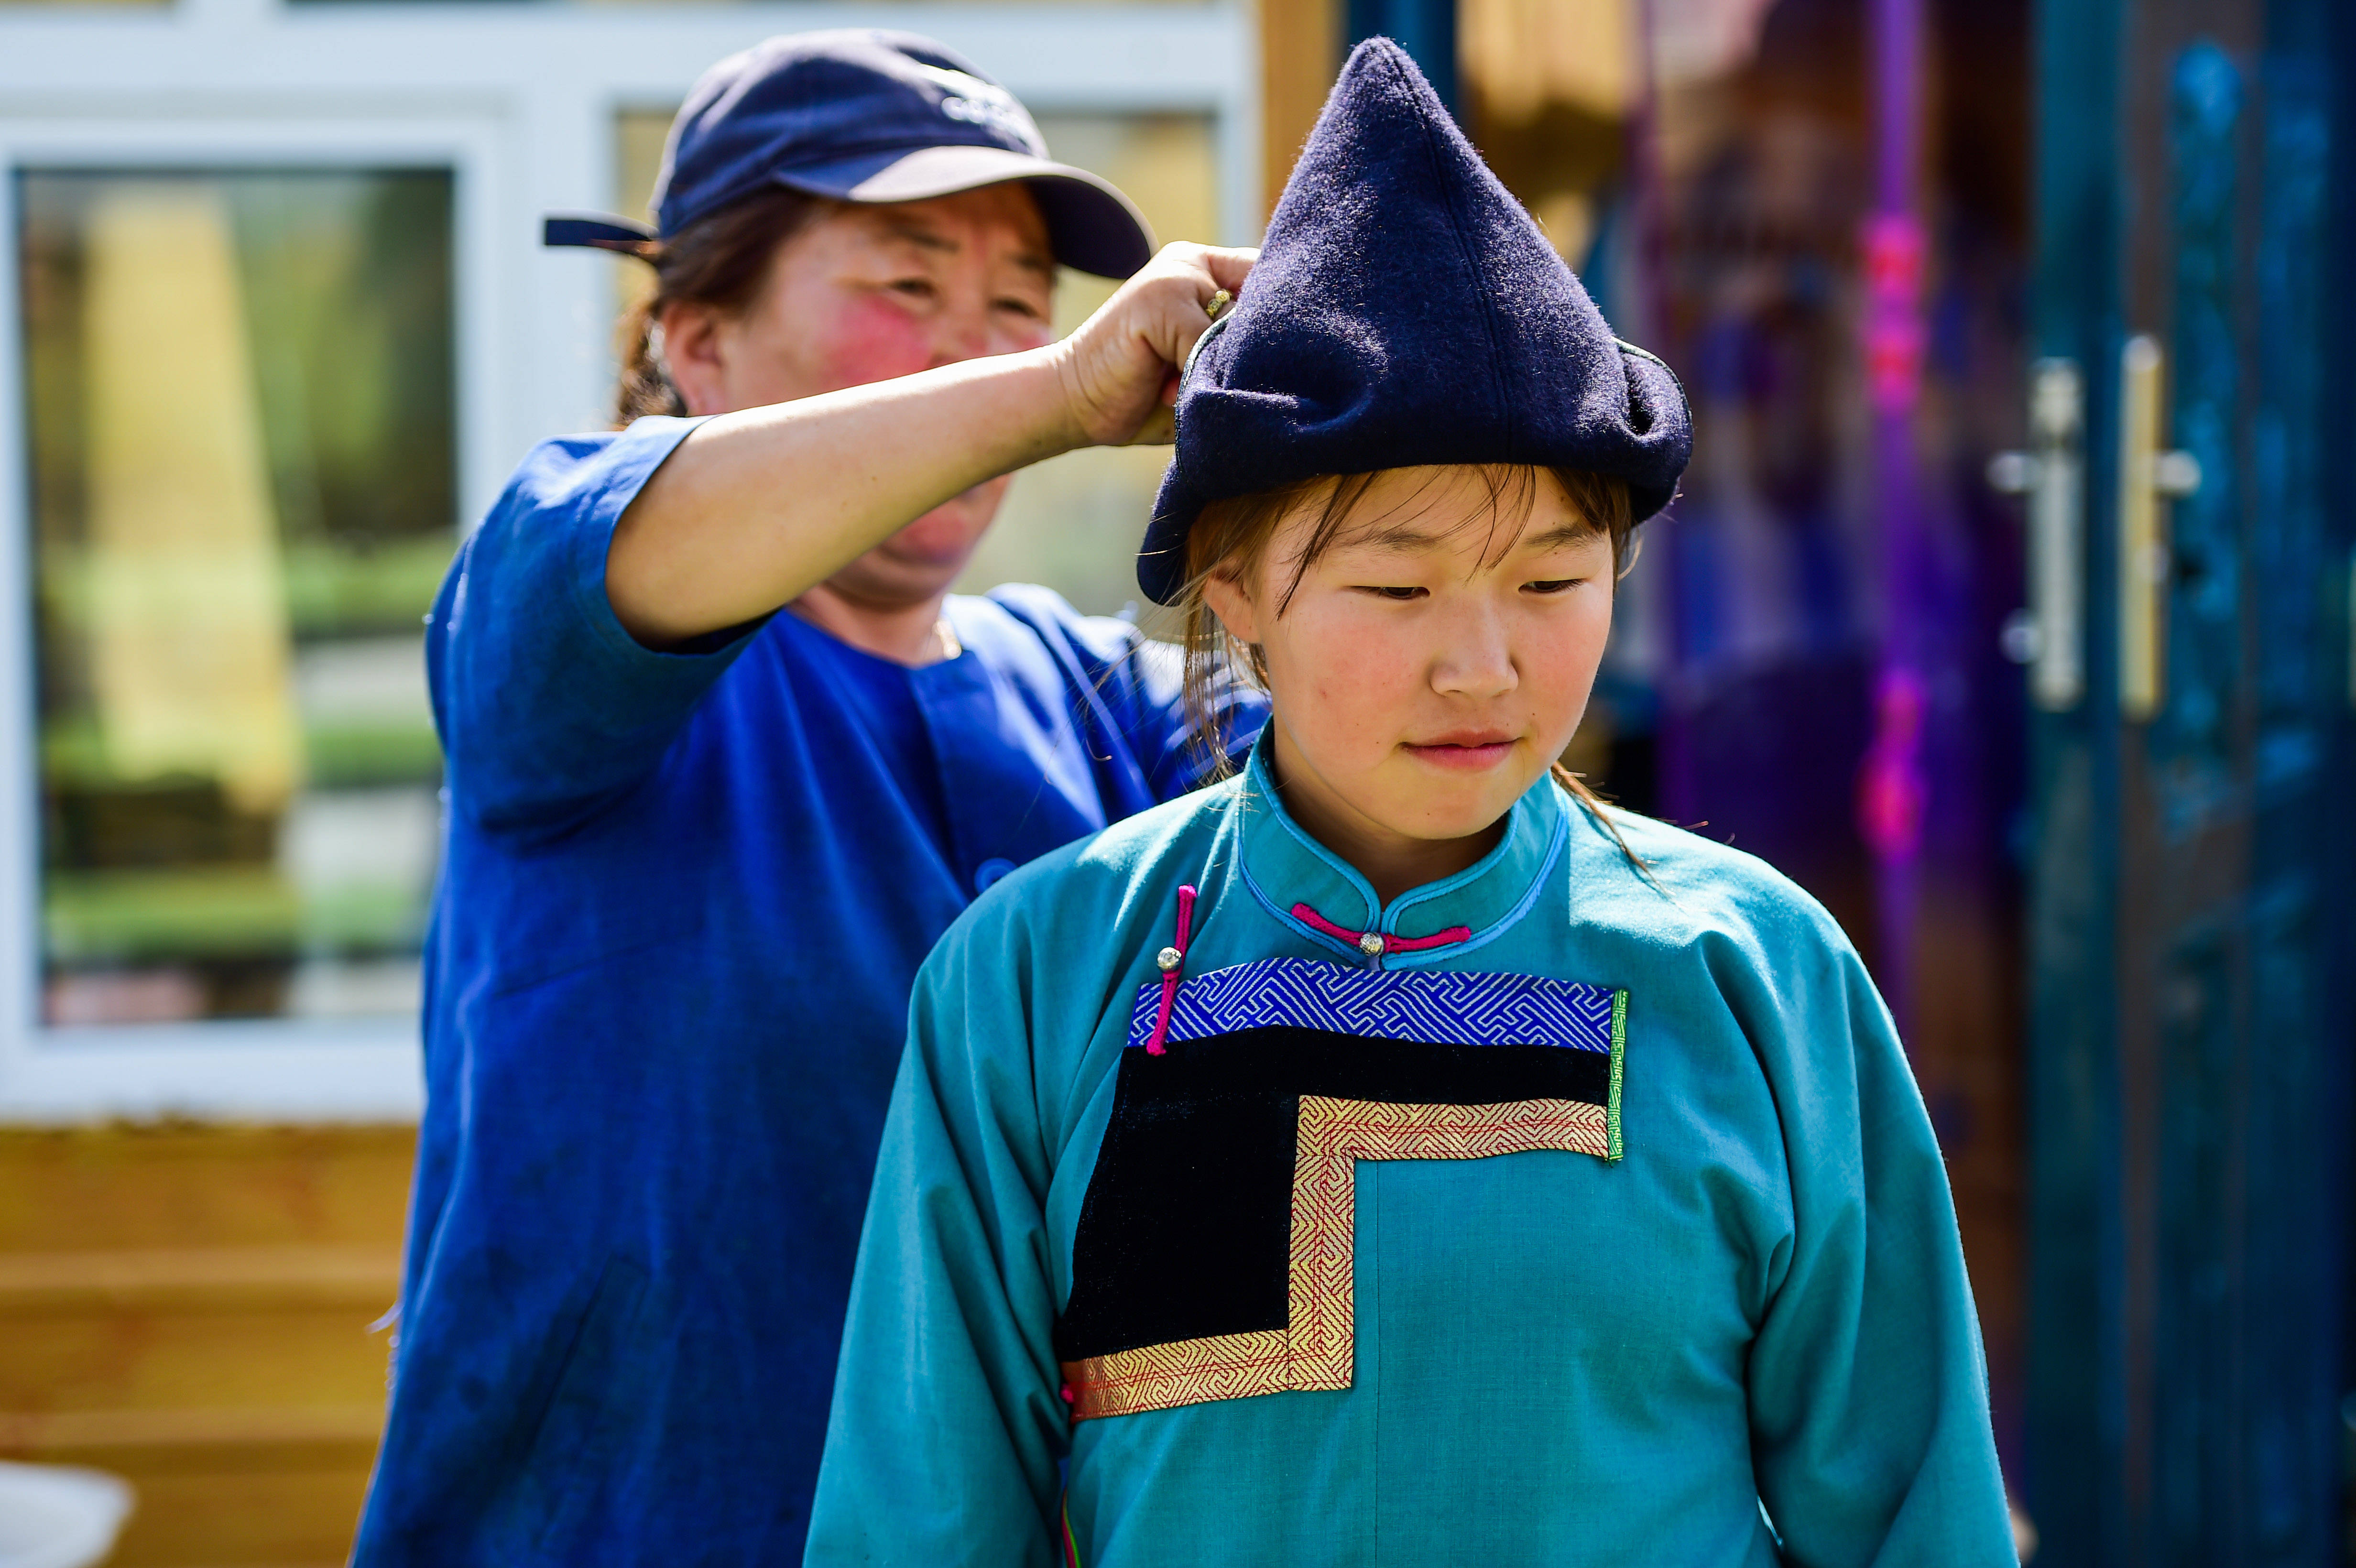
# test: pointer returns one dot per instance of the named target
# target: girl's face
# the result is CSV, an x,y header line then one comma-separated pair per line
x,y
1423,677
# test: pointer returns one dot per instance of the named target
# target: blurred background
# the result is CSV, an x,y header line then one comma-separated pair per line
x,y
2006,609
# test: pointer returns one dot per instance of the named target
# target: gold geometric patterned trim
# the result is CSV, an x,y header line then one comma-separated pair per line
x,y
1313,1350
1332,1136
1185,1372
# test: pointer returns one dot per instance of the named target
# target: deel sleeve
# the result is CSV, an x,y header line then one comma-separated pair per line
x,y
947,1428
1868,1389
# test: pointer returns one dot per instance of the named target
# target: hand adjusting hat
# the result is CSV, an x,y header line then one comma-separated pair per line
x,y
865,116
1405,310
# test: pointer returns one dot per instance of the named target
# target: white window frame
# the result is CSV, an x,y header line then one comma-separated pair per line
x,y
519,104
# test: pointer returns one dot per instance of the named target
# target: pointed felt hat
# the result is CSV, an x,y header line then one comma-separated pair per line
x,y
1406,311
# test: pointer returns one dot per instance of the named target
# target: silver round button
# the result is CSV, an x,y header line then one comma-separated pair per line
x,y
1370,944
1167,960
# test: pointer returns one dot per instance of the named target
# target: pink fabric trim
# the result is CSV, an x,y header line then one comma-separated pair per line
x,y
1448,938
1311,918
1157,1042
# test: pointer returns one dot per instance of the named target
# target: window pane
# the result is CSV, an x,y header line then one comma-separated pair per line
x,y
243,493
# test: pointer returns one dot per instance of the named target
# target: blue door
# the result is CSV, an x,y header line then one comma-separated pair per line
x,y
2194,796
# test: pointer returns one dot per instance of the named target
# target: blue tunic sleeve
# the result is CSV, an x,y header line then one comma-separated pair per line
x,y
547,709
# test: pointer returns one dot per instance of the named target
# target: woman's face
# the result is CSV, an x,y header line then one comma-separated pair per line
x,y
1422,681
865,293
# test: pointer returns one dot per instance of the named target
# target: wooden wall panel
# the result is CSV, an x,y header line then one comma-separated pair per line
x,y
194,1308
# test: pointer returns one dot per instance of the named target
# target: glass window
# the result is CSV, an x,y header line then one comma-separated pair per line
x,y
243,492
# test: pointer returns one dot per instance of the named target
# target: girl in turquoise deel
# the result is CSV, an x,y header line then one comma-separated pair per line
x,y
1393,1155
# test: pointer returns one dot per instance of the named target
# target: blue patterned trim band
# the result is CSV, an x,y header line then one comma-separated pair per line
x,y
1434,1007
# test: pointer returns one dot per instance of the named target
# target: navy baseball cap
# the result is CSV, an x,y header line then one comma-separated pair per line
x,y
865,116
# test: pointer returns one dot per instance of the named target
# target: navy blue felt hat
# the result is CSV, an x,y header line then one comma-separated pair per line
x,y
1406,311
865,116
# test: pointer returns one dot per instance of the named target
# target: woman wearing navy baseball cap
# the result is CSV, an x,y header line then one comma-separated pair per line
x,y
697,847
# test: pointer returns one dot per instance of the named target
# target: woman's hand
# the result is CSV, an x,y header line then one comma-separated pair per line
x,y
1119,370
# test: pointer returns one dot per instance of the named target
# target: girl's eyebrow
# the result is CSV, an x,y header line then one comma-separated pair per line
x,y
1573,531
1397,537
1405,538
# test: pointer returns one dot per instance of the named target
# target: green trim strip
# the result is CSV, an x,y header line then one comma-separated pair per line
x,y
1619,1050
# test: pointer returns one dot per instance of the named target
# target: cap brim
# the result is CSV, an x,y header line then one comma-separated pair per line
x,y
1093,227
596,230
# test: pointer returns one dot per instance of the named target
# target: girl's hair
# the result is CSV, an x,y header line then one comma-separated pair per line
x,y
1235,535
719,261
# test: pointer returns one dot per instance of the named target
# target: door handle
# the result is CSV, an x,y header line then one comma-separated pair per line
x,y
2150,477
2051,474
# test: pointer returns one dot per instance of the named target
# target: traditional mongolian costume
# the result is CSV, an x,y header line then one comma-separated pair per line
x,y
1577,1207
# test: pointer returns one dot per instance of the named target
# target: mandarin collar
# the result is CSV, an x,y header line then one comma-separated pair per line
x,y
1284,867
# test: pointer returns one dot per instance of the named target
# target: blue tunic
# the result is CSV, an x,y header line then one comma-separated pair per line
x,y
1554,1212
684,897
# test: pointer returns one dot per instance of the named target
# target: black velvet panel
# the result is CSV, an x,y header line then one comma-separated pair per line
x,y
1187,1228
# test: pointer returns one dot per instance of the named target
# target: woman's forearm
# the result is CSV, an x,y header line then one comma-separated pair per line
x,y
757,506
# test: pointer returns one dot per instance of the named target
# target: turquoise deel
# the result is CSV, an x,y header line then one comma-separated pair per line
x,y
683,898
1758,1311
